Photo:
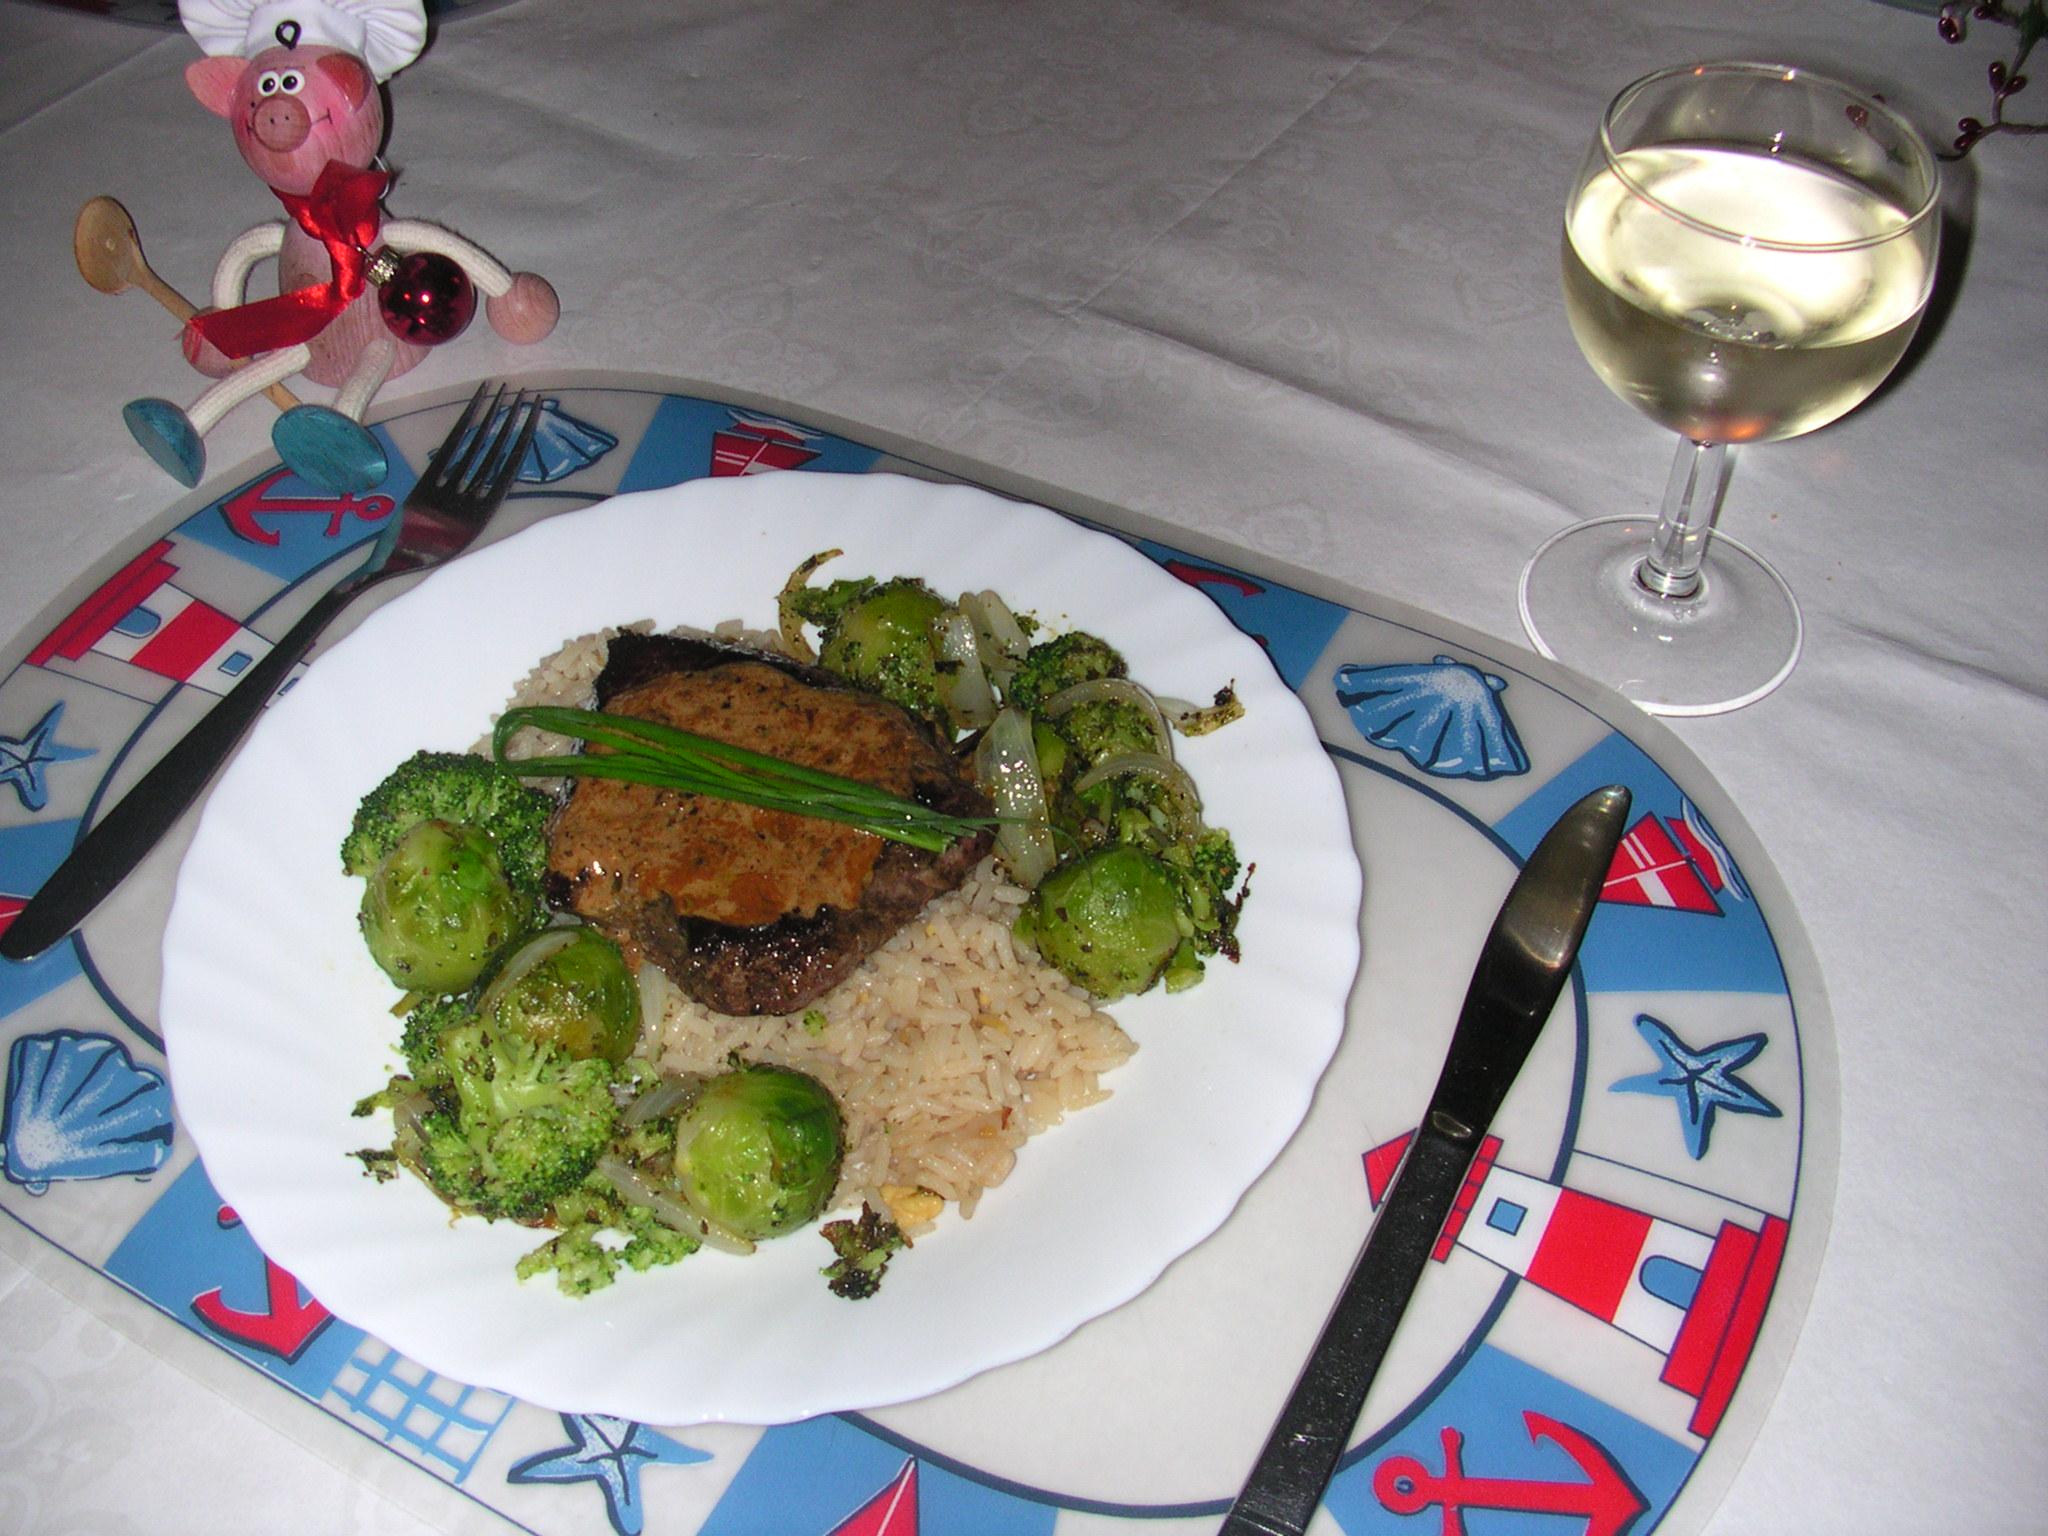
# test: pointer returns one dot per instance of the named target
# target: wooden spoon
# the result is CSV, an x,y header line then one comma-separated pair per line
x,y
109,255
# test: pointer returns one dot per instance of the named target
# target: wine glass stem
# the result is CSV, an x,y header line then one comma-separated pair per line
x,y
1692,500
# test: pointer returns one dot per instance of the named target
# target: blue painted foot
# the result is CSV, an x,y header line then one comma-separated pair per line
x,y
167,436
326,449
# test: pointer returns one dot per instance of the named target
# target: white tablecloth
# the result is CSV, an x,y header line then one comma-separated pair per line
x,y
1281,274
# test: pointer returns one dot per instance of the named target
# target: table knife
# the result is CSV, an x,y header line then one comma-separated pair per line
x,y
1521,970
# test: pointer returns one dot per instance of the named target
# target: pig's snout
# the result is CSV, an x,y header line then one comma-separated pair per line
x,y
281,123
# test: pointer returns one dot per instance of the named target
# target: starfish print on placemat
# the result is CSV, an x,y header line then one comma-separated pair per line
x,y
609,1452
1700,1080
25,759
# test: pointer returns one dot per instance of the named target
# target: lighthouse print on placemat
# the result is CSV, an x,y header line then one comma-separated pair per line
x,y
1694,1297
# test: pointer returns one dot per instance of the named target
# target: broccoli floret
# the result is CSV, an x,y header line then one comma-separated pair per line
x,y
516,1126
1213,861
1132,810
1209,868
1104,728
1060,663
599,1232
582,1261
650,1242
823,605
420,1043
461,788
864,1248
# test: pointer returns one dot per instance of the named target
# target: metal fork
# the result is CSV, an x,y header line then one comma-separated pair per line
x,y
462,486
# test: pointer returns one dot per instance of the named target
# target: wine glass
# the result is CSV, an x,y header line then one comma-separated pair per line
x,y
1747,251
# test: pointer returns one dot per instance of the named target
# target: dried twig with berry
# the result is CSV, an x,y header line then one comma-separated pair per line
x,y
2030,22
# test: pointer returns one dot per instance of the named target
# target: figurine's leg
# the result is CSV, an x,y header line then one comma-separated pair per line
x,y
328,446
174,437
371,370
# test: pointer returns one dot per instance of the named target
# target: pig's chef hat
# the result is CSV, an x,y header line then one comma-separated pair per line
x,y
387,35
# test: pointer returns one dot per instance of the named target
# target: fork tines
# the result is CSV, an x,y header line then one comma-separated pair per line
x,y
481,456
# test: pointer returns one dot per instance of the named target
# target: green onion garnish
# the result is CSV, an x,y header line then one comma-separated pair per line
x,y
648,752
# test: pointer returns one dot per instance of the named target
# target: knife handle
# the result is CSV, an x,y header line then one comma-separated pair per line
x,y
1300,1456
107,854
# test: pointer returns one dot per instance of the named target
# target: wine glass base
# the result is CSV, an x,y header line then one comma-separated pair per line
x,y
1728,645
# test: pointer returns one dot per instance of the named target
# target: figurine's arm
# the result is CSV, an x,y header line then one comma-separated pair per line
x,y
231,276
521,305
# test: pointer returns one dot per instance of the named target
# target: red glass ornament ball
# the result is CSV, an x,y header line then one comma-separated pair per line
x,y
427,300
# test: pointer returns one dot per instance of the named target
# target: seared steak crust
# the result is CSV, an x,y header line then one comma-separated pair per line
x,y
752,911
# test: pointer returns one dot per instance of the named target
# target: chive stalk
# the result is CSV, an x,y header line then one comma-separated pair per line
x,y
667,757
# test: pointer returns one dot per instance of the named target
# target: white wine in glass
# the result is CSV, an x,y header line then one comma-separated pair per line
x,y
1747,253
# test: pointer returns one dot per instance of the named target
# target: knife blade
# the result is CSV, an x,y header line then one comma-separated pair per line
x,y
1521,970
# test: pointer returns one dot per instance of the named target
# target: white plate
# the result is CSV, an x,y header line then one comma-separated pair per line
x,y
274,1030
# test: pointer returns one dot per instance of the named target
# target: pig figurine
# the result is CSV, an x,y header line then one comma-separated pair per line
x,y
298,82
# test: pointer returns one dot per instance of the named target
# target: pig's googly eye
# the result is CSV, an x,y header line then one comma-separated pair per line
x,y
290,81
267,83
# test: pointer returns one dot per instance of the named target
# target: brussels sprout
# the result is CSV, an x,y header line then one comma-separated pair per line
x,y
568,987
885,641
1109,922
758,1152
439,906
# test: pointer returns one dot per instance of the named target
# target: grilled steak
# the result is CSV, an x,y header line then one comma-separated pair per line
x,y
754,911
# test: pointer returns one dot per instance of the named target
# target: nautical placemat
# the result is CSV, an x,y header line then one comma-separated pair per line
x,y
1611,1305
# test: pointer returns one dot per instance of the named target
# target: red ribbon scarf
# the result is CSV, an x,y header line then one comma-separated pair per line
x,y
342,213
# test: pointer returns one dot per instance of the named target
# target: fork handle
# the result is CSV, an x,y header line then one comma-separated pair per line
x,y
123,838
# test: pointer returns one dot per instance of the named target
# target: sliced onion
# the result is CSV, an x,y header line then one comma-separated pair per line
x,y
1002,639
1149,765
1007,765
970,700
636,1189
1122,690
407,1116
665,1095
787,620
655,991
528,955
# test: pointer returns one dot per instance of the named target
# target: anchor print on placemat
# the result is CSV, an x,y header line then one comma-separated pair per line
x,y
191,1257
283,1326
1603,1498
245,511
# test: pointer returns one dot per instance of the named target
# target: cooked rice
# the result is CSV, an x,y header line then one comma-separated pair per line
x,y
947,1049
